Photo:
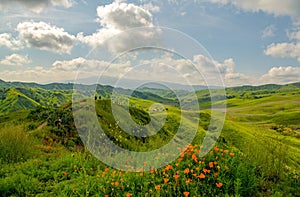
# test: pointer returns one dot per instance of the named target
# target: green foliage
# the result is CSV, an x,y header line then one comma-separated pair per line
x,y
260,131
15,144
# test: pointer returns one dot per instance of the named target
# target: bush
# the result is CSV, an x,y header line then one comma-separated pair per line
x,y
15,144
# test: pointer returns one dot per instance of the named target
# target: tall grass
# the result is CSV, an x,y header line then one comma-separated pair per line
x,y
15,144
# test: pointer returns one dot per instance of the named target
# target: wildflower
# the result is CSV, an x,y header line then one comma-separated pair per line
x,y
219,185
231,154
186,171
226,151
106,195
35,160
201,176
128,195
141,174
166,180
188,181
215,163
176,176
216,149
116,184
211,164
186,194
65,173
218,167
194,157
216,174
168,167
157,187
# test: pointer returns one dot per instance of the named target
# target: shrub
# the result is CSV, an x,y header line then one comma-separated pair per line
x,y
15,144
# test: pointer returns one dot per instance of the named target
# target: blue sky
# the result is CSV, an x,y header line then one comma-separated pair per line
x,y
251,41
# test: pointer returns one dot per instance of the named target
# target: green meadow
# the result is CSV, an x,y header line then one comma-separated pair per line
x,y
257,153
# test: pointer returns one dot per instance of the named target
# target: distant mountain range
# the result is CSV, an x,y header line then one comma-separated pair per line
x,y
16,96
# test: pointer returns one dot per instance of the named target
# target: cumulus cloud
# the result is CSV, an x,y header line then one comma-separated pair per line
x,y
294,35
35,5
38,74
118,17
286,49
46,37
80,63
282,50
281,75
15,60
276,7
8,41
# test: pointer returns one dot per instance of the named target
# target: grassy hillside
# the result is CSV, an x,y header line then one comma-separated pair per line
x,y
257,154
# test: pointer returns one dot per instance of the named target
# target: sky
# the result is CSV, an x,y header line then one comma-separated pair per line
x,y
235,42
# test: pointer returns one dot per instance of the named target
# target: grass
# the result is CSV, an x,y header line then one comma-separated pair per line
x,y
15,145
251,158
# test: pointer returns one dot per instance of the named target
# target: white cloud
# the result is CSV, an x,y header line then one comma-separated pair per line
x,y
46,37
8,41
281,75
269,31
82,64
291,50
276,7
116,18
15,60
164,69
38,74
34,5
294,35
151,7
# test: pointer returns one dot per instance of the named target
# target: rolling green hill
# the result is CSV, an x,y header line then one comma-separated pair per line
x,y
257,154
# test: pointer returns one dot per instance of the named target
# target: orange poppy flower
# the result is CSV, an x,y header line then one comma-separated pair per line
x,y
211,164
186,171
128,195
219,185
116,184
65,173
215,174
168,167
157,187
166,180
201,176
194,157
176,176
226,151
188,181
231,154
218,167
216,149
186,194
